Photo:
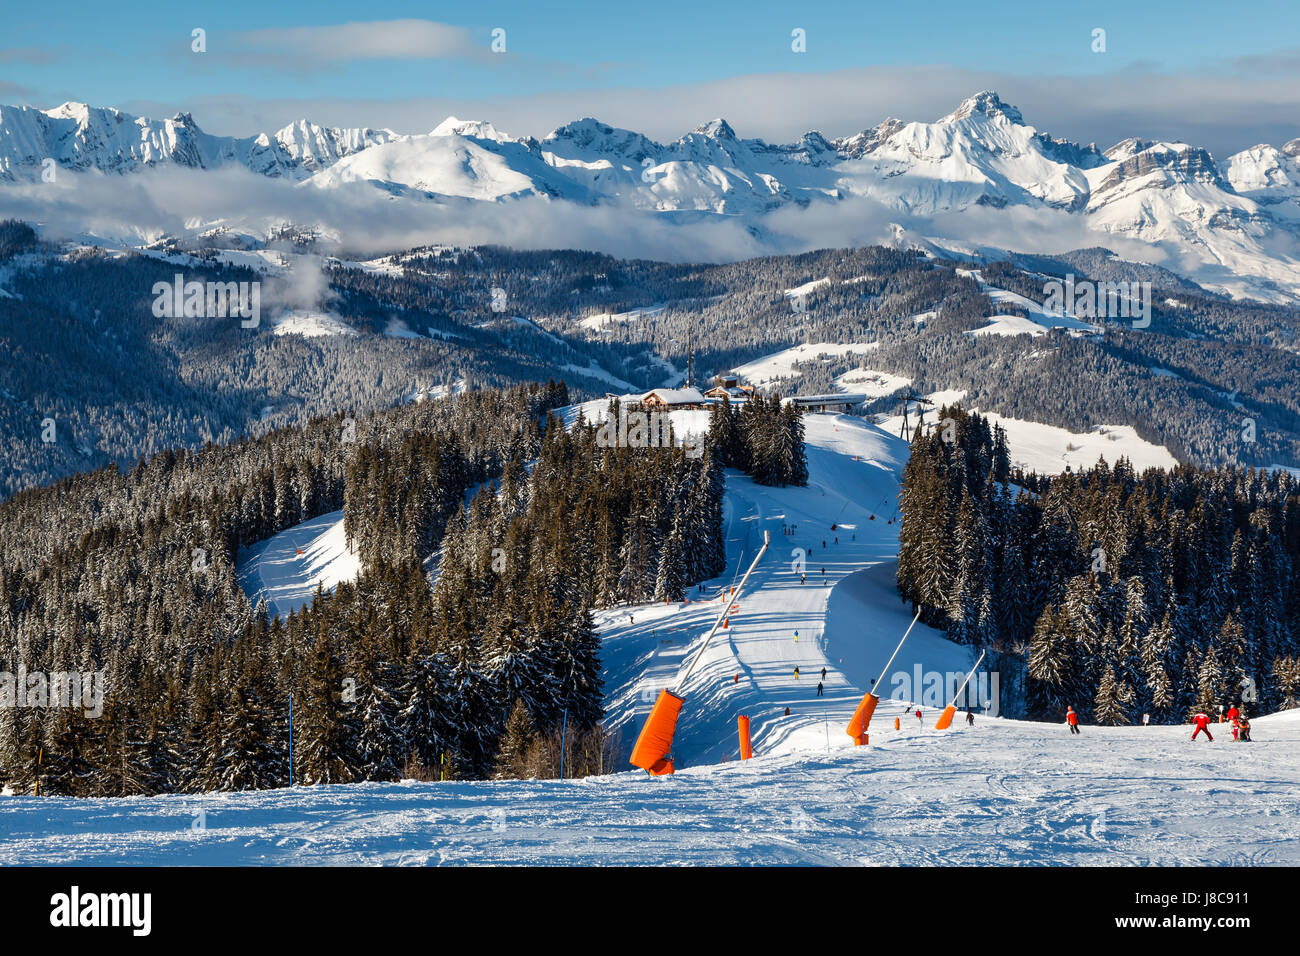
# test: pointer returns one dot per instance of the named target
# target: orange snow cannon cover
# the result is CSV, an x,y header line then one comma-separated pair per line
x,y
746,748
656,740
945,719
862,716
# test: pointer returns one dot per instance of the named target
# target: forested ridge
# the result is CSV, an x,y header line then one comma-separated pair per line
x,y
1116,593
132,573
85,350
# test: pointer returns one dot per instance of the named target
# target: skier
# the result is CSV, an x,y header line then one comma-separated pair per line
x,y
1146,719
737,680
1202,722
796,673
1233,712
787,711
918,718
1072,719
802,578
1245,730
796,637
823,542
819,688
823,673
970,718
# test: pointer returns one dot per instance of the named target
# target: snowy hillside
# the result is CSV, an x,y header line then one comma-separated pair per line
x,y
1001,792
1049,450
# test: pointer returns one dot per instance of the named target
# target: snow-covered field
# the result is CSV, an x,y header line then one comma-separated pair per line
x,y
781,364
310,324
1000,792
1047,449
1003,792
1039,322
600,321
871,383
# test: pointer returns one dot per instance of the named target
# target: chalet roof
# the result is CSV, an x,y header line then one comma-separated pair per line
x,y
676,396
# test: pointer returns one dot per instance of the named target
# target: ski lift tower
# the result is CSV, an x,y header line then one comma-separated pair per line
x,y
921,402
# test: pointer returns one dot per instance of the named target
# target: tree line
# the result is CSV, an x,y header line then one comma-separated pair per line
x,y
1116,593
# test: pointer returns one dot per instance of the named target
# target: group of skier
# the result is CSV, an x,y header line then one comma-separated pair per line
x,y
1200,722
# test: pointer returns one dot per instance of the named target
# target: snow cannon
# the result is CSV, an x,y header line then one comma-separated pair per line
x,y
655,743
654,746
945,719
862,718
857,728
746,748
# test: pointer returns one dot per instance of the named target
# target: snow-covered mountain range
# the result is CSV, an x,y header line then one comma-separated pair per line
x,y
1232,225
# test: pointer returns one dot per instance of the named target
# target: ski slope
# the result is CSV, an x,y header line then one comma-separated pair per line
x,y
287,568
847,622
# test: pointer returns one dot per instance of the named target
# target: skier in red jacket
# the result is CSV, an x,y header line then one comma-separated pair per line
x,y
1202,722
1233,713
1072,718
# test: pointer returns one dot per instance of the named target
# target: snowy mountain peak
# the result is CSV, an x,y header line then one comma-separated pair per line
x,y
592,135
858,145
479,129
988,103
716,129
1179,161
1240,217
71,110
1126,148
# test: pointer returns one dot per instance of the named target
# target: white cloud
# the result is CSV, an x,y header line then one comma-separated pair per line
x,y
146,205
372,40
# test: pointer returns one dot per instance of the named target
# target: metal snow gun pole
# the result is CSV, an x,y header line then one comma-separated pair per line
x,y
857,728
653,749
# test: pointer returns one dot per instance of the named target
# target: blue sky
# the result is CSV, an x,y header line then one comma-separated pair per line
x,y
1188,70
